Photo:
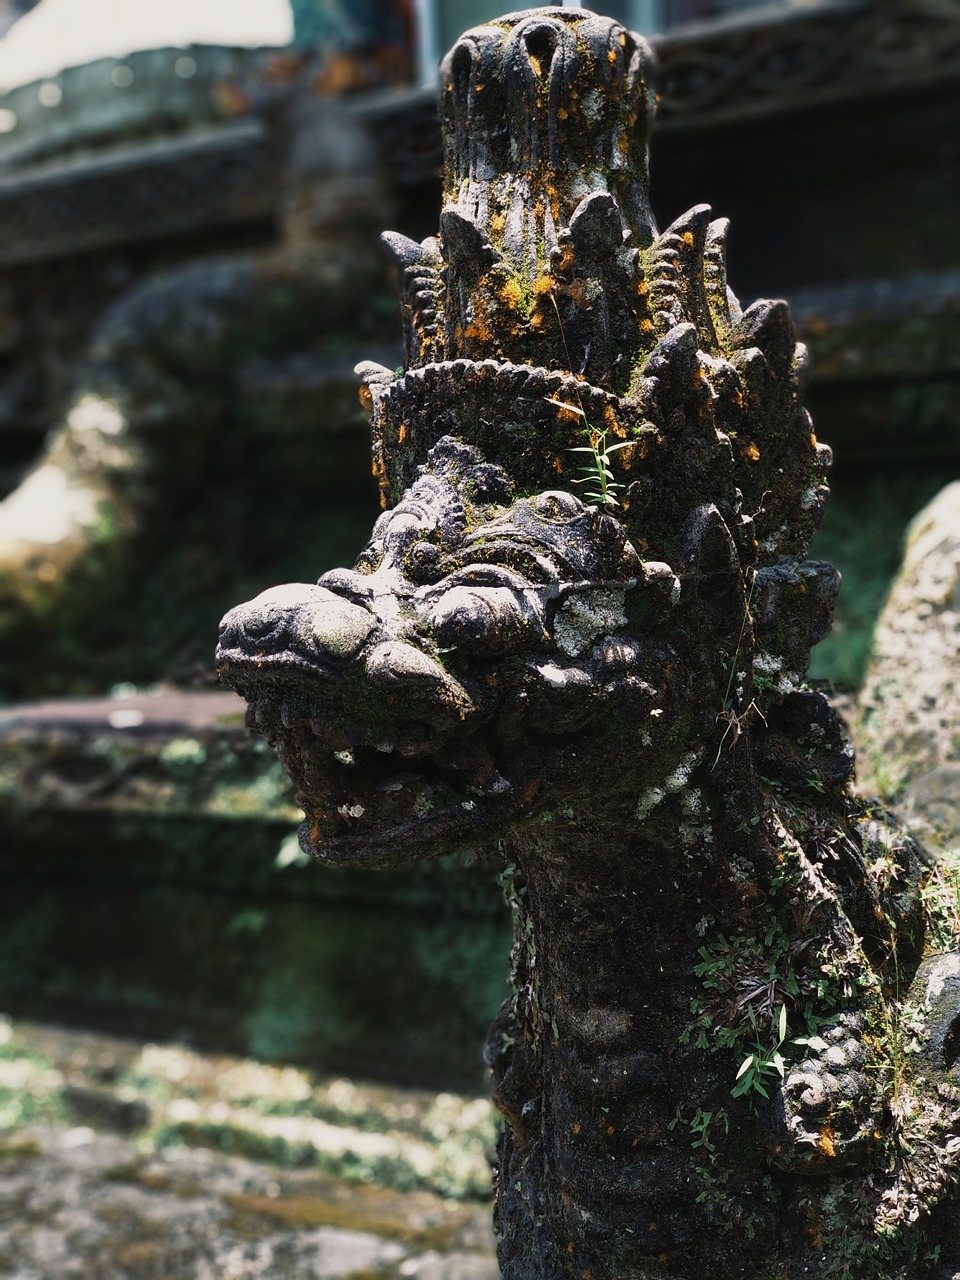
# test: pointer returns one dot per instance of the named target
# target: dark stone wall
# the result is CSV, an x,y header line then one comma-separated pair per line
x,y
852,190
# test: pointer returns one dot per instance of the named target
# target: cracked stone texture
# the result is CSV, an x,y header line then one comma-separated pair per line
x,y
909,732
97,1182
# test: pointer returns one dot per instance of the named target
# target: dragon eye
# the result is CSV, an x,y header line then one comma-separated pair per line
x,y
483,619
368,560
423,554
422,560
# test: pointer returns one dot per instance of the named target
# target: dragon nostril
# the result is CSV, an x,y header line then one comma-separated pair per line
x,y
395,664
259,624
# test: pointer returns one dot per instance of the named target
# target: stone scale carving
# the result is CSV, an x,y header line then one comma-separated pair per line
x,y
577,636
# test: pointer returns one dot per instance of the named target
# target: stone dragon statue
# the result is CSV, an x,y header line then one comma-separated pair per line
x,y
577,637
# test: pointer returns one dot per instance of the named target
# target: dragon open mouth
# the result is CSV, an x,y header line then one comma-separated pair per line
x,y
379,802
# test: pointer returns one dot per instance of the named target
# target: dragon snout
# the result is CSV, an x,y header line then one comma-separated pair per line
x,y
309,619
299,631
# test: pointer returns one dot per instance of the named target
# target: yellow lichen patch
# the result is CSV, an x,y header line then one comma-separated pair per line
x,y
825,1141
542,285
578,290
497,222
366,399
566,257
612,57
511,291
535,63
402,433
646,326
562,113
813,439
478,330
750,452
688,239
623,144
612,424
567,412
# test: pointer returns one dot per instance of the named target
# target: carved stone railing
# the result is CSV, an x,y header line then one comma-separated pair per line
x,y
135,194
577,639
791,59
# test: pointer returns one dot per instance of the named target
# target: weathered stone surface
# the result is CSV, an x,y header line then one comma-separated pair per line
x,y
909,727
592,613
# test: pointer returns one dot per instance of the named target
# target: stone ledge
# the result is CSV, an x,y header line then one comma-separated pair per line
x,y
151,883
136,193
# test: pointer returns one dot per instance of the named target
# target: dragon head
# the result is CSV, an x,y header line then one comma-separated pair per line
x,y
487,657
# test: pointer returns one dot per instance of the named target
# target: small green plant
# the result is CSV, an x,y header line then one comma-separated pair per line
x,y
700,1126
941,902
598,473
763,1062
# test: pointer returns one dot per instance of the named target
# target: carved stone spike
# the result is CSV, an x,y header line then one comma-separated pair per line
x,y
578,635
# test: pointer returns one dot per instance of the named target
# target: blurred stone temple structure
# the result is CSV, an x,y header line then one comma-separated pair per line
x,y
576,641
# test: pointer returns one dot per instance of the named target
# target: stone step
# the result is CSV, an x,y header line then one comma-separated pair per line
x,y
82,1194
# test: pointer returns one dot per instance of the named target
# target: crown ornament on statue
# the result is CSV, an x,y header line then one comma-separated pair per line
x,y
549,315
